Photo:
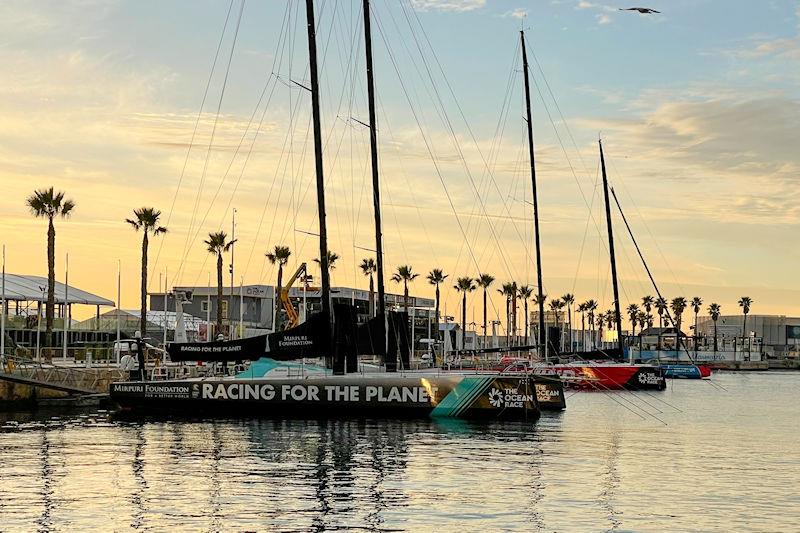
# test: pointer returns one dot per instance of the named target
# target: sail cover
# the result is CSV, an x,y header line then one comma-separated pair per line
x,y
309,339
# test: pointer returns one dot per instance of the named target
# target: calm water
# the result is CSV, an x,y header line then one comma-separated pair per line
x,y
726,460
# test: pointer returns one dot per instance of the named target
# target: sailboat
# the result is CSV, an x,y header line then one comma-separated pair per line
x,y
610,373
338,389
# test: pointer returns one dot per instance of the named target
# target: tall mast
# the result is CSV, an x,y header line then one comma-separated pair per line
x,y
323,232
376,189
535,199
618,317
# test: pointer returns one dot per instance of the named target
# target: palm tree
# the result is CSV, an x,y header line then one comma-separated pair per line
x,y
696,303
642,317
745,302
279,256
714,310
145,219
678,306
217,244
591,307
332,258
569,300
405,274
556,306
536,299
525,292
436,277
600,320
661,307
483,281
507,290
46,203
582,311
464,285
368,268
633,315
647,303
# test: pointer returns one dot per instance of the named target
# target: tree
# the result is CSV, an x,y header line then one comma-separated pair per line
x,y
436,277
714,310
464,285
525,292
368,268
569,300
661,307
507,290
404,274
633,315
696,303
332,258
591,307
46,203
647,304
484,281
642,317
600,320
745,302
279,256
582,311
556,306
145,219
217,244
678,306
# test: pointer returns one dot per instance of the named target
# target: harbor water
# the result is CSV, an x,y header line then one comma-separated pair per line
x,y
701,456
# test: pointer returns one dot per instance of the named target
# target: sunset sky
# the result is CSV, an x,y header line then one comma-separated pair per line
x,y
698,108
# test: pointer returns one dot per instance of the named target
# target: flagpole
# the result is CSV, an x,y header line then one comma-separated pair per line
x,y
119,304
3,314
66,309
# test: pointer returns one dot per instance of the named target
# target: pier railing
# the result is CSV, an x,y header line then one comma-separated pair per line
x,y
70,379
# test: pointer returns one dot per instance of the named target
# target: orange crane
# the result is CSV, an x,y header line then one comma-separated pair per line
x,y
293,318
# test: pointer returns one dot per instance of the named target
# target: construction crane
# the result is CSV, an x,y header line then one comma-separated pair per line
x,y
293,318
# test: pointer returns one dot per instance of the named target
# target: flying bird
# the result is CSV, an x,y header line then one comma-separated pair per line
x,y
642,10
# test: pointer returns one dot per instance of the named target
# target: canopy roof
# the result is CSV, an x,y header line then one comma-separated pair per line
x,y
34,289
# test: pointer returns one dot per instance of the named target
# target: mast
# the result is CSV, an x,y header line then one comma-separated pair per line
x,y
380,309
535,200
323,233
618,317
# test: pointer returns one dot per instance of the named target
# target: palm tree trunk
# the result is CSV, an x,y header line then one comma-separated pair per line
x,y
51,281
219,293
527,321
715,337
695,333
569,335
371,296
583,332
464,321
437,334
143,293
278,298
484,318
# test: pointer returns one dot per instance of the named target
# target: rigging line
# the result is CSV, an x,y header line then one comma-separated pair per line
x,y
449,126
191,141
271,76
424,137
647,227
213,133
586,229
469,129
650,275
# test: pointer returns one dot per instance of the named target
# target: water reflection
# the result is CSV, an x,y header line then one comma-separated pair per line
x,y
138,498
44,521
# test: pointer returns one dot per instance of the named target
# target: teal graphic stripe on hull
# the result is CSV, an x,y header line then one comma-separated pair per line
x,y
461,397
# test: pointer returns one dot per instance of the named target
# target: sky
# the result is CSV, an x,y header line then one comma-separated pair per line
x,y
199,107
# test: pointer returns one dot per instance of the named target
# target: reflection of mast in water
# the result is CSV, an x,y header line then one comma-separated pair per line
x,y
337,440
44,521
611,483
137,466
214,480
389,458
536,484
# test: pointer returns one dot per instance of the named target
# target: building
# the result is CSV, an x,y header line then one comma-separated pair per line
x,y
779,334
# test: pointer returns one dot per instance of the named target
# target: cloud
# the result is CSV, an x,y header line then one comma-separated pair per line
x,y
603,19
518,13
448,5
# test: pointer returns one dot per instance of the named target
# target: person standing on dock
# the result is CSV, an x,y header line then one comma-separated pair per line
x,y
140,356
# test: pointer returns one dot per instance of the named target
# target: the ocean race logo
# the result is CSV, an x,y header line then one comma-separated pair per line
x,y
496,397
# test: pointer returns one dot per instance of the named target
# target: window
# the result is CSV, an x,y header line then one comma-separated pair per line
x,y
204,306
224,309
